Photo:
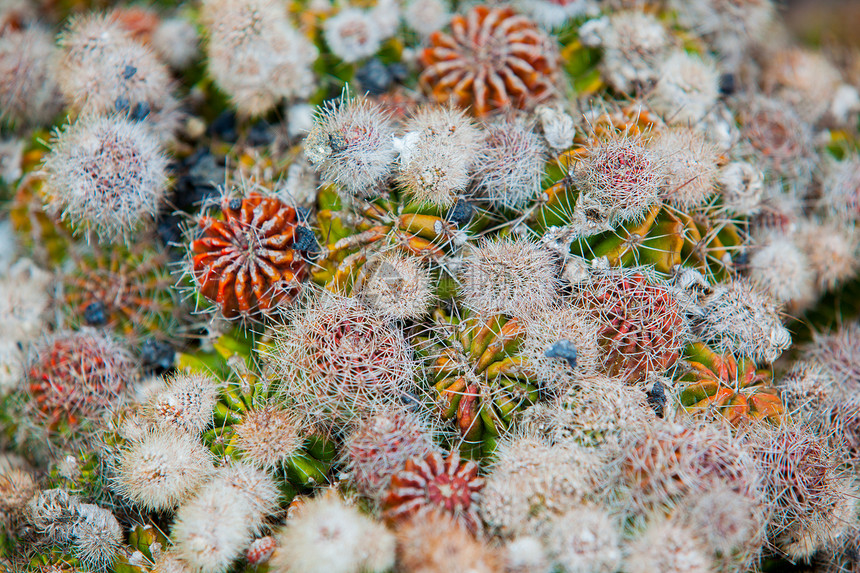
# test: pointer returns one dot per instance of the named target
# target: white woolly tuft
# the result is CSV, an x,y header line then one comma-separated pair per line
x,y
352,144
438,154
583,540
687,90
781,268
328,536
97,537
738,317
255,55
741,185
513,276
511,165
106,175
530,480
667,547
396,285
268,436
426,16
352,35
633,43
29,93
185,402
213,528
162,469
691,166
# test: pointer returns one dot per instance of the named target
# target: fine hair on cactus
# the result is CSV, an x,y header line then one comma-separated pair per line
x,y
106,176
620,177
687,89
255,55
437,542
217,524
380,446
329,536
103,69
667,546
29,93
75,376
351,144
584,538
184,402
396,285
532,479
162,468
511,164
337,359
268,435
645,319
513,276
429,286
438,154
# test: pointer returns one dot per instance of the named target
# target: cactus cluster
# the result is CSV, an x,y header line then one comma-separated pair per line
x,y
426,286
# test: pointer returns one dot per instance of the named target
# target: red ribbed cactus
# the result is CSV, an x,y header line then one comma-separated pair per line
x,y
493,59
246,262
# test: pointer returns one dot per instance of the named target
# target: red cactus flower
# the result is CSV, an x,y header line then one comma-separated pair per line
x,y
433,484
246,263
493,59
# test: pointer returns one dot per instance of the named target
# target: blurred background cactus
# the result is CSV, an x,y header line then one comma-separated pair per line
x,y
340,286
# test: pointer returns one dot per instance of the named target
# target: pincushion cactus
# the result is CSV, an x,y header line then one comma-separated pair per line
x,y
560,286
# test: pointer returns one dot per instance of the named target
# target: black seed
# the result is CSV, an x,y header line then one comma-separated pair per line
x,y
727,84
563,349
128,72
374,77
657,398
156,356
169,229
140,111
95,314
305,240
303,215
122,104
741,259
461,213
411,402
235,204
199,182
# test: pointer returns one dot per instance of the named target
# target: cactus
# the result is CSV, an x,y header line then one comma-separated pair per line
x,y
467,287
730,387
